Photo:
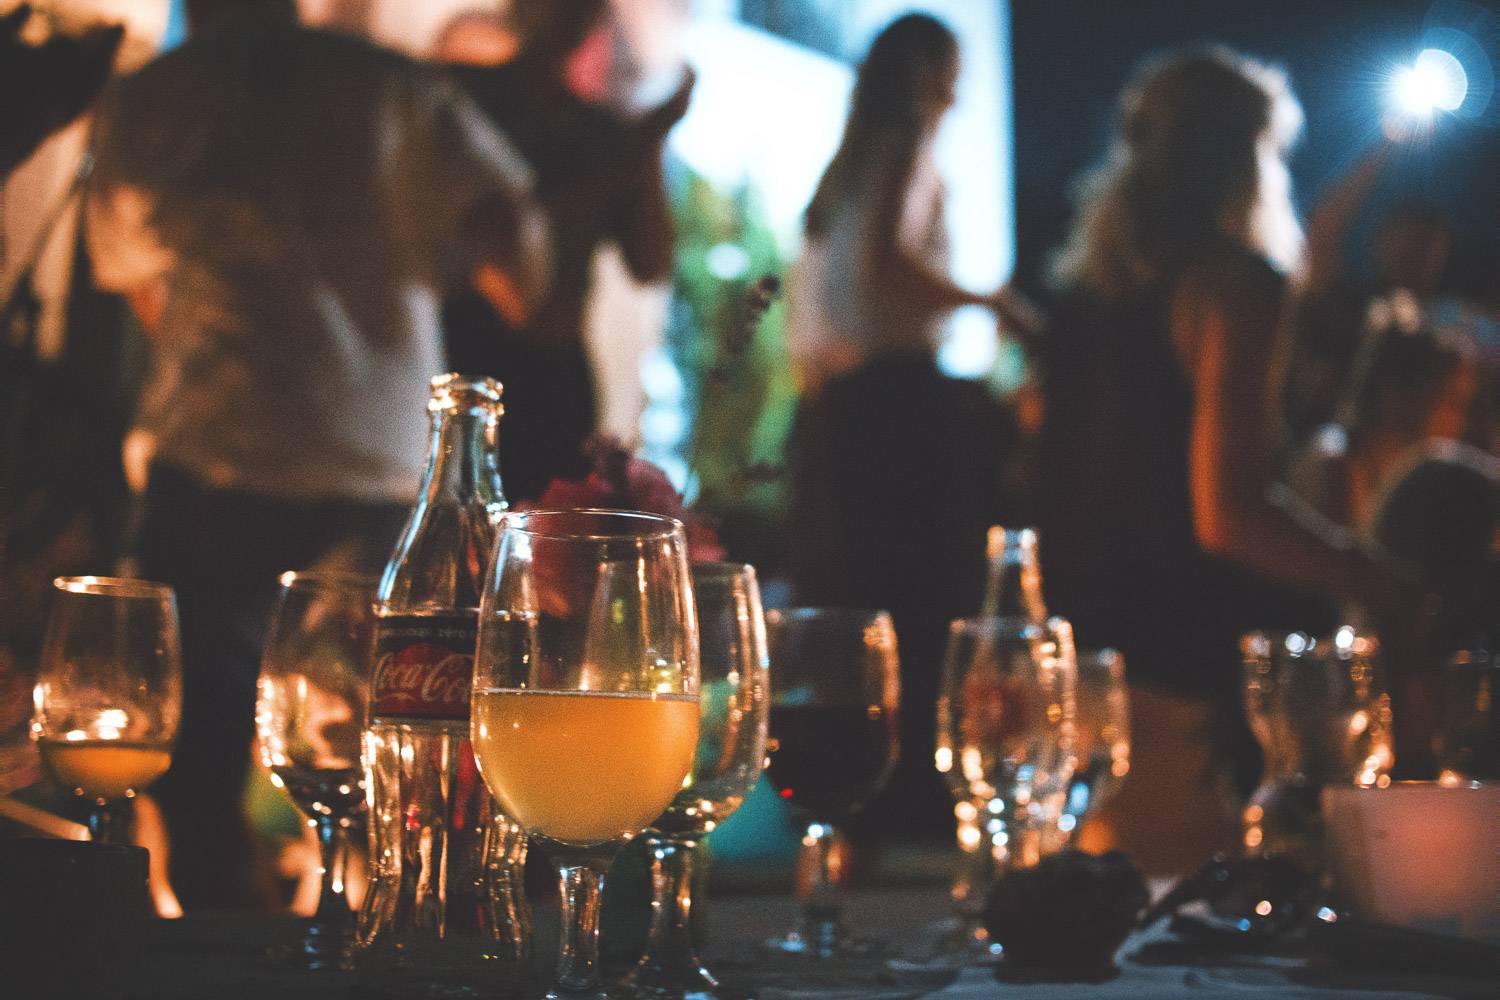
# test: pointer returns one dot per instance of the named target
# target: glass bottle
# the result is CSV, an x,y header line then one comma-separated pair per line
x,y
1013,591
1013,587
445,863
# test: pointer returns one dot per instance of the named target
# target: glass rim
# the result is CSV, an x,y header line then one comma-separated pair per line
x,y
721,569
1100,658
490,390
829,613
1261,643
668,527
1010,623
996,536
348,579
114,586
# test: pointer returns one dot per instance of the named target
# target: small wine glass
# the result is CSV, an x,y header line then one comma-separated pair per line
x,y
731,753
1101,742
834,743
585,715
309,717
1319,708
109,692
1005,721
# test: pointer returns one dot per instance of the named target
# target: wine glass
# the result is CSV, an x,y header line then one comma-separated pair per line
x,y
309,717
834,743
1004,738
585,715
109,691
731,753
1102,740
1320,711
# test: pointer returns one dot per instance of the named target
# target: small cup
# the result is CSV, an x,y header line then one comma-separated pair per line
x,y
1419,855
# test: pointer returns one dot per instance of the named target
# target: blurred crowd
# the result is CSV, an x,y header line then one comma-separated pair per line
x,y
281,232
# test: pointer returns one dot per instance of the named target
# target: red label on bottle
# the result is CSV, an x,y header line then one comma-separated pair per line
x,y
424,666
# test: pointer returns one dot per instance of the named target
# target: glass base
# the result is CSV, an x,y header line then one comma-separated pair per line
x,y
959,942
822,942
323,946
683,984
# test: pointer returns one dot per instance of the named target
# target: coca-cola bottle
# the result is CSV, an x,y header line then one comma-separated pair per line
x,y
445,865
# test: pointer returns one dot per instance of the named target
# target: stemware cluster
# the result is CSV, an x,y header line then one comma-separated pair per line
x,y
618,692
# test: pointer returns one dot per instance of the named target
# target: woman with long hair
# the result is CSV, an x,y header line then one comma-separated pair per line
x,y
1160,534
872,277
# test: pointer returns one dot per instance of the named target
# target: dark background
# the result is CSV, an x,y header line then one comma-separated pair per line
x,y
1072,57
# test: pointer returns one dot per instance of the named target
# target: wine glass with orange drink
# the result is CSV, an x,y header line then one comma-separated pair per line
x,y
109,690
585,712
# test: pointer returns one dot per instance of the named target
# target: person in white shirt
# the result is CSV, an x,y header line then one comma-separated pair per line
x,y
284,208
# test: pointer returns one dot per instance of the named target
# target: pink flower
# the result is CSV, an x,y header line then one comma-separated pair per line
x,y
621,480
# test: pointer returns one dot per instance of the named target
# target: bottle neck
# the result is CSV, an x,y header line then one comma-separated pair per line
x,y
463,466
1014,587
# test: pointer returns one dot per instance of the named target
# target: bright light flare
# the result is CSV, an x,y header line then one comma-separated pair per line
x,y
1436,82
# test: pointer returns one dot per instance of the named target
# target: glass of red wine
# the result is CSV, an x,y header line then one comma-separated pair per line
x,y
834,742
309,716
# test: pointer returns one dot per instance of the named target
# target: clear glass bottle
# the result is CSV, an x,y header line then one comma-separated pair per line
x,y
445,864
1013,590
1013,587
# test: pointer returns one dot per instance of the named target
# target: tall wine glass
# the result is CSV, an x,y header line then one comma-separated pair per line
x,y
1005,728
109,692
731,752
834,743
585,717
309,717
1101,740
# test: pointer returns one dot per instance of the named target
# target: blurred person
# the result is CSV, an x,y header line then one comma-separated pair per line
x,y
281,207
872,277
599,180
1423,487
897,470
64,353
1159,534
1411,482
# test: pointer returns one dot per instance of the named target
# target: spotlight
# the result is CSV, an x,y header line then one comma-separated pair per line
x,y
1435,82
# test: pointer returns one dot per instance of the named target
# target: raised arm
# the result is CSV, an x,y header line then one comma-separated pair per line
x,y
1332,217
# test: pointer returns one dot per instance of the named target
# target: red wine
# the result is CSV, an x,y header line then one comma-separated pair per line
x,y
338,793
830,759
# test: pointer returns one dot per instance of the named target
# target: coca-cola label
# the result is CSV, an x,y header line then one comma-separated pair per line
x,y
424,666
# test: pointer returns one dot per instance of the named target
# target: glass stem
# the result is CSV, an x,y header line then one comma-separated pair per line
x,y
670,952
509,913
580,884
976,875
333,861
104,826
819,874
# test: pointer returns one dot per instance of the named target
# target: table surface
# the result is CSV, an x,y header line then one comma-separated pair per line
x,y
223,957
